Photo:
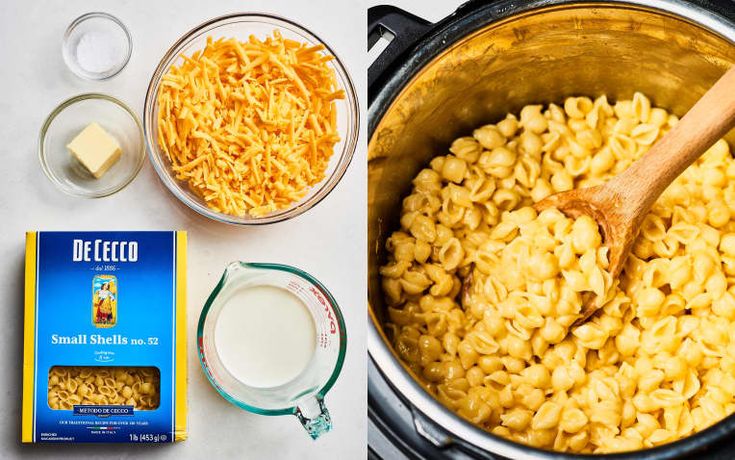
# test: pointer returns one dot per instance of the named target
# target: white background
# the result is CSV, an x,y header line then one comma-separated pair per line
x,y
431,10
328,241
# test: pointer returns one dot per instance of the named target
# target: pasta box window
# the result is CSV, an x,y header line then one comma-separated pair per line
x,y
105,337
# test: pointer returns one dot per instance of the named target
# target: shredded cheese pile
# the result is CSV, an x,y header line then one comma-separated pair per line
x,y
250,126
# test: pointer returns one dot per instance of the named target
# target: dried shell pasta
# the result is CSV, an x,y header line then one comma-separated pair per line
x,y
69,386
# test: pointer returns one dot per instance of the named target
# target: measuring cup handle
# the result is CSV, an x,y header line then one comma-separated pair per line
x,y
313,414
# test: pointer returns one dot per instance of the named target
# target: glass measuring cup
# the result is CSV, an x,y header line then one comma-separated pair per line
x,y
302,396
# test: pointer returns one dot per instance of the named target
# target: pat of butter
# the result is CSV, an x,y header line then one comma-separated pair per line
x,y
95,149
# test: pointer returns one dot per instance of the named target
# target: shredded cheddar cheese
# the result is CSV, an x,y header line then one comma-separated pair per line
x,y
250,126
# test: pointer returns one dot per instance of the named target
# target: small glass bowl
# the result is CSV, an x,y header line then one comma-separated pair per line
x,y
69,119
241,26
86,35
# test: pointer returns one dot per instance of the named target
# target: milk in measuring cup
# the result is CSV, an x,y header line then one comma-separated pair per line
x,y
265,336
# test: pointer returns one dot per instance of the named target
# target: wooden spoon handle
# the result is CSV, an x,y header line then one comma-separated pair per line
x,y
644,181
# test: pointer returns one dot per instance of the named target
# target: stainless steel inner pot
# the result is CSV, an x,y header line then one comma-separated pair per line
x,y
495,60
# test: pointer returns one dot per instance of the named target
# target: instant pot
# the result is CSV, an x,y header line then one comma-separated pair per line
x,y
435,82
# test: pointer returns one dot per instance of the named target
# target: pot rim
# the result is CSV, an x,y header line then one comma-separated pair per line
x,y
396,375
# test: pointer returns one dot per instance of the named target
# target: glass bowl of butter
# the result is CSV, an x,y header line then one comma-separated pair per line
x,y
91,145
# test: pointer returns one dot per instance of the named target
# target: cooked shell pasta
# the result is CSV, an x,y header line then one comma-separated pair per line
x,y
482,290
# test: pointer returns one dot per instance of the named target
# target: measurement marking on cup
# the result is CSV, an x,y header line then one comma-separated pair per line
x,y
327,310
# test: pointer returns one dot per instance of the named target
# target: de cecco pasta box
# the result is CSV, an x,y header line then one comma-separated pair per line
x,y
104,353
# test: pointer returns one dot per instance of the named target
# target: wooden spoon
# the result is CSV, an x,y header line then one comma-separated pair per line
x,y
620,205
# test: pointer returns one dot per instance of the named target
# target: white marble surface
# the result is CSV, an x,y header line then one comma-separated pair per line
x,y
328,241
431,10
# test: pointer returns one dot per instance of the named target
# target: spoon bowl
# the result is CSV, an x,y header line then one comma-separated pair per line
x,y
620,205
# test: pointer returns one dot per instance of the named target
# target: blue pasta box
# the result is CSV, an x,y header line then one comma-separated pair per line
x,y
104,352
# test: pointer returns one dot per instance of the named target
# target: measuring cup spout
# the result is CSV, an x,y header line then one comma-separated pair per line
x,y
314,416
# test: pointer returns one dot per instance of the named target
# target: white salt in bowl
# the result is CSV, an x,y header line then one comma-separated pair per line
x,y
96,46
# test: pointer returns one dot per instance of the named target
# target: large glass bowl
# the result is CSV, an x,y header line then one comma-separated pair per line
x,y
241,26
